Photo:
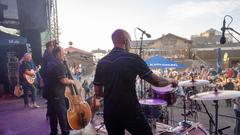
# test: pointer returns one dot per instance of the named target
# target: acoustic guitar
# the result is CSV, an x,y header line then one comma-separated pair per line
x,y
18,90
31,78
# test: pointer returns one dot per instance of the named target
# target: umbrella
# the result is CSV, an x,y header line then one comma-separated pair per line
x,y
160,62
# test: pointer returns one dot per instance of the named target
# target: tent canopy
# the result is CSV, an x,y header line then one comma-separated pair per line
x,y
160,62
8,39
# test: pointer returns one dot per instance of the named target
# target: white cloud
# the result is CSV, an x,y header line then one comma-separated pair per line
x,y
192,9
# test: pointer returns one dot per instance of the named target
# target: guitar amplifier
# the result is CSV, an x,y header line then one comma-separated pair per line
x,y
12,69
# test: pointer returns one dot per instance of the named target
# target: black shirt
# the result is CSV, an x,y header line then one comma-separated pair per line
x,y
117,73
24,66
45,59
55,71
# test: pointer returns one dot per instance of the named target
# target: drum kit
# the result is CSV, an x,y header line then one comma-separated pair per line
x,y
155,107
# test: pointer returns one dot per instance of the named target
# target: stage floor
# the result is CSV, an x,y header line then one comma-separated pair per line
x,y
16,120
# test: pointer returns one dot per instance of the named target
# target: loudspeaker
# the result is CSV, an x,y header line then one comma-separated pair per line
x,y
32,14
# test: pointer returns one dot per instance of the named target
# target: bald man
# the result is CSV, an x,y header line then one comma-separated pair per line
x,y
115,81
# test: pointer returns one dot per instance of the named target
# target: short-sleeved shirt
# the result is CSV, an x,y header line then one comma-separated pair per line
x,y
45,59
24,66
117,73
56,70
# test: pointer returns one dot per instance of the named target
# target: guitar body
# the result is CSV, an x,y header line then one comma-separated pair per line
x,y
79,112
30,79
18,91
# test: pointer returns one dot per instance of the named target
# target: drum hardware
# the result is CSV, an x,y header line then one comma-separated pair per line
x,y
101,125
100,114
193,104
191,129
161,128
191,111
155,111
166,93
211,121
215,96
220,131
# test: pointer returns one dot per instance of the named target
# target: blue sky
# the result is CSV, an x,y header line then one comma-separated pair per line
x,y
90,23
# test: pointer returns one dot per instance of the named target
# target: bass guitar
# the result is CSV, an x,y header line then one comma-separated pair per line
x,y
79,112
31,78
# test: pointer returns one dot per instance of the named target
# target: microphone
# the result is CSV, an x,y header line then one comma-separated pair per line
x,y
144,32
223,38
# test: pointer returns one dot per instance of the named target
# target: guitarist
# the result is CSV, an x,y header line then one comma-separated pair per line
x,y
26,68
56,81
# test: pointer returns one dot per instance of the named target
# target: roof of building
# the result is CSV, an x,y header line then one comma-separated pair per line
x,y
73,49
98,51
217,45
170,34
211,30
136,43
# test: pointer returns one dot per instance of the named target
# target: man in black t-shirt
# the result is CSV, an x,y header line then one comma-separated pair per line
x,y
47,56
56,82
26,68
116,73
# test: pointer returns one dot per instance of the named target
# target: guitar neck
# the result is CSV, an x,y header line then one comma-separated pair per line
x,y
70,76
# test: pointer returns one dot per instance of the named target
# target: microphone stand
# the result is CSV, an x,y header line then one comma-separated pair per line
x,y
211,121
229,28
140,54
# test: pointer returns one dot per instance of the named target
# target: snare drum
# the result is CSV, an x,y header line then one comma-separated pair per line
x,y
165,93
155,109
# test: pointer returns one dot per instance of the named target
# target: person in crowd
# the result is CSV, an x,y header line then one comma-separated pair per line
x,y
236,107
86,88
230,73
77,72
237,82
228,86
116,74
47,56
56,82
26,69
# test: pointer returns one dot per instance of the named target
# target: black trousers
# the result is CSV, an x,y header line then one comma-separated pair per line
x,y
137,125
58,113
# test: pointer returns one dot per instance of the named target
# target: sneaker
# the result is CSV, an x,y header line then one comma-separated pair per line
x,y
35,106
30,105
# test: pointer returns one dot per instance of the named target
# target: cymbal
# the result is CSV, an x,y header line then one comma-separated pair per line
x,y
218,95
162,89
190,83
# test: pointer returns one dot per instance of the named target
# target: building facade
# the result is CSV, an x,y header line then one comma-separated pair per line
x,y
98,54
206,44
78,57
169,46
209,37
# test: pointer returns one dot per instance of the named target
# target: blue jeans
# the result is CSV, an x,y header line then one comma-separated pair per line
x,y
26,89
57,110
237,127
